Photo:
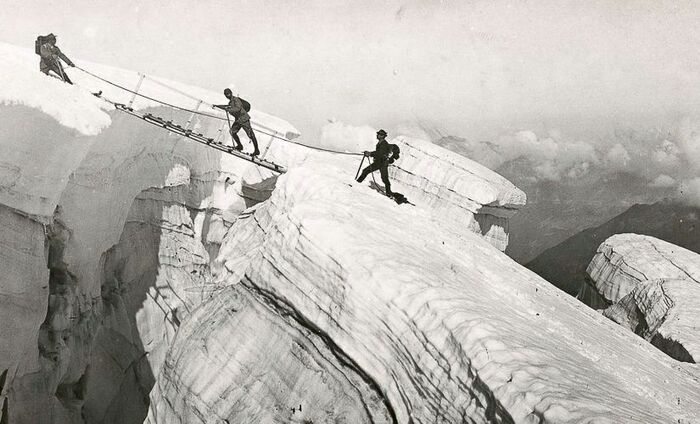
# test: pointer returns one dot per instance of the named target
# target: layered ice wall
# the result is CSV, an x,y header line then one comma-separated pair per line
x,y
109,227
457,188
447,185
653,288
107,224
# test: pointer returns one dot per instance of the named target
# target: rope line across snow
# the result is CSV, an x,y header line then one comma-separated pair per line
x,y
209,115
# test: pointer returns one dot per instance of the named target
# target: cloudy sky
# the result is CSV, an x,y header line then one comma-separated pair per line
x,y
557,80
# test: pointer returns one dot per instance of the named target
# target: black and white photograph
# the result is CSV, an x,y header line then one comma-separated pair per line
x,y
349,212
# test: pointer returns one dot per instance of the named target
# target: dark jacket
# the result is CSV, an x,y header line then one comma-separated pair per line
x,y
235,108
50,56
385,152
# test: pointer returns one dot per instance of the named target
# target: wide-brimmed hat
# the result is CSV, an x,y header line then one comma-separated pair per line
x,y
382,133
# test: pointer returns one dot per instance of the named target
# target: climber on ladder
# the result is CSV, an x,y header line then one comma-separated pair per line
x,y
239,108
384,155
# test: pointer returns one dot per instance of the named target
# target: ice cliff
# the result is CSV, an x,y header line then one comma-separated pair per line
x,y
101,216
653,288
110,228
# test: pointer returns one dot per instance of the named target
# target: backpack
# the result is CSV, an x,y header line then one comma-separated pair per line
x,y
40,40
246,105
395,151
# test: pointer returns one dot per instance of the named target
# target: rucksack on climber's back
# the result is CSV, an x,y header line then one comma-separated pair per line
x,y
40,40
246,105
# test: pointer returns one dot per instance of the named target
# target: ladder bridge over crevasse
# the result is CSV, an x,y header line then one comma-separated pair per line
x,y
199,138
187,132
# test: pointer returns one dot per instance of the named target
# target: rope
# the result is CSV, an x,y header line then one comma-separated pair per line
x,y
213,116
151,98
338,152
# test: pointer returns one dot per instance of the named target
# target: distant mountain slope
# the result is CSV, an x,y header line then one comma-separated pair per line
x,y
558,209
564,265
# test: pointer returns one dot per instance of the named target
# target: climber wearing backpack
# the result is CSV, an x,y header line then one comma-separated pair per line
x,y
239,108
384,155
51,57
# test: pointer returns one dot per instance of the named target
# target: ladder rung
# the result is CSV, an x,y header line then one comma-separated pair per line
x,y
200,138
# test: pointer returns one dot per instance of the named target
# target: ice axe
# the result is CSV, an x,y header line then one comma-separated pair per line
x,y
364,155
227,118
60,69
238,147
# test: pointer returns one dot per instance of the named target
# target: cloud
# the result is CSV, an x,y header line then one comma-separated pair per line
x,y
617,158
663,181
689,192
579,170
339,136
666,156
554,158
671,150
551,158
415,130
689,141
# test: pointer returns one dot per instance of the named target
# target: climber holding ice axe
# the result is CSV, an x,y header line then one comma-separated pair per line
x,y
384,155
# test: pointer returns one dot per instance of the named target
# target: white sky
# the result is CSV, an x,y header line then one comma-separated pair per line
x,y
463,65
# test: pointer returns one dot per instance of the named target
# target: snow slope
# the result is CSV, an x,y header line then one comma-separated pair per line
x,y
436,324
